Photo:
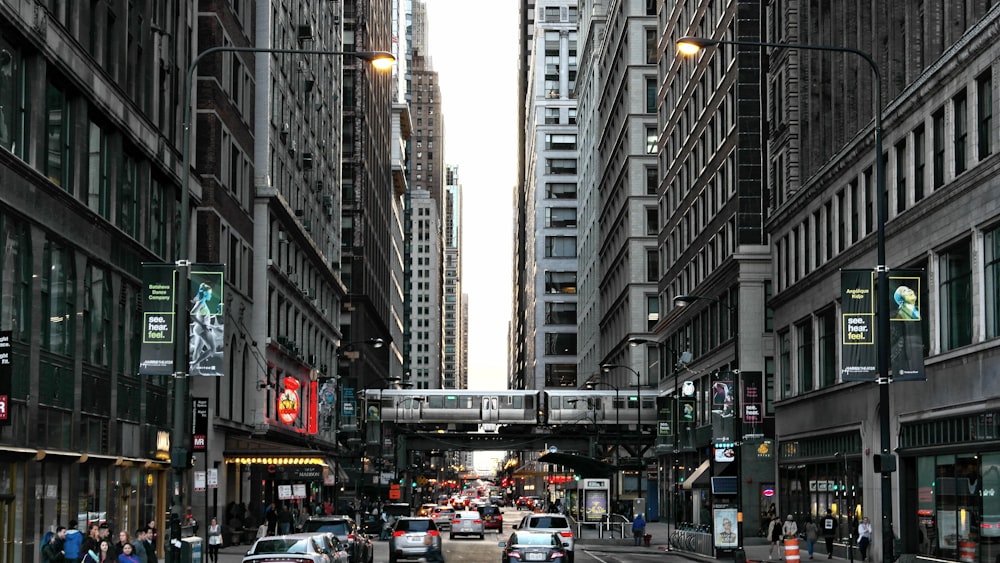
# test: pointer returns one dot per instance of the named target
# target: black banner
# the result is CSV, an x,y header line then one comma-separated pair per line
x,y
206,347
752,403
6,374
858,326
199,422
157,354
665,416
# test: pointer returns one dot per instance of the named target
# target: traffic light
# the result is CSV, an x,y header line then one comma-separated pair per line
x,y
576,477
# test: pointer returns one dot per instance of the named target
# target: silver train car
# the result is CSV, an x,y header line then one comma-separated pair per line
x,y
464,409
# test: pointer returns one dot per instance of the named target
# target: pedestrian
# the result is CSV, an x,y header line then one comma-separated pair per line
x,y
864,537
433,553
150,545
789,529
271,519
103,553
139,545
52,551
123,540
829,529
214,540
812,534
638,528
774,536
128,554
72,542
285,520
92,542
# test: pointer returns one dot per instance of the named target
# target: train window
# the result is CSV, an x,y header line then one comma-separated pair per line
x,y
516,402
529,402
495,402
435,402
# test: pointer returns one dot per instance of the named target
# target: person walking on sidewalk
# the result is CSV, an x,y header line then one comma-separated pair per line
x,y
790,529
829,526
864,537
774,536
638,528
812,534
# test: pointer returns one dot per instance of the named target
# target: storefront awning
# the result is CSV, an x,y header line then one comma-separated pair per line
x,y
699,477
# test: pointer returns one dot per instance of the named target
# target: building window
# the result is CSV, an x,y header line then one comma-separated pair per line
x,y
961,131
900,177
560,217
12,100
984,103
58,299
992,270
651,37
97,317
560,166
652,180
560,343
937,123
651,138
785,363
560,247
58,167
652,311
652,221
560,375
804,355
560,313
956,297
552,116
98,176
652,265
651,95
560,191
128,196
827,323
560,282
919,163
560,142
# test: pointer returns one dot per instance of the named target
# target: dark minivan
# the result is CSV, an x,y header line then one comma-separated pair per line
x,y
492,517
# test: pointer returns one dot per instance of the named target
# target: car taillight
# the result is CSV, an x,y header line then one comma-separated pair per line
x,y
566,533
350,537
456,521
557,555
514,555
433,533
477,521
398,533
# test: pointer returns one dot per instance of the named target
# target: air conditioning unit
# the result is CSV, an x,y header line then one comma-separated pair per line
x,y
305,32
307,160
300,212
285,130
270,262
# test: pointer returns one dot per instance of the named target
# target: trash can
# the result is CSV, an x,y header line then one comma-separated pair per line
x,y
191,550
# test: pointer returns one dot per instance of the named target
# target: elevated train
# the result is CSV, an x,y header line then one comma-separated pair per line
x,y
438,408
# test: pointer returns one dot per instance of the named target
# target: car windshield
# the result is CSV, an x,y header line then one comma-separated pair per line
x,y
282,545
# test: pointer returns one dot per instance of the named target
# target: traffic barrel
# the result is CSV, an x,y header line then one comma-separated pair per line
x,y
792,550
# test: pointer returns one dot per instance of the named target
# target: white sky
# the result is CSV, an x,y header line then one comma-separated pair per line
x,y
474,49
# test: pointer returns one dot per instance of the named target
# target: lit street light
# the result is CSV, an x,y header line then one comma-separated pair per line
x,y
180,452
691,46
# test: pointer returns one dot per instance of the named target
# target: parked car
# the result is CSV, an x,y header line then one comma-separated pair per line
x,y
467,523
492,517
359,544
315,547
526,545
550,523
442,517
408,534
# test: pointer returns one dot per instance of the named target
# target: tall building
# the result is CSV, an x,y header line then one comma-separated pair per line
x,y
768,201
97,195
454,310
544,333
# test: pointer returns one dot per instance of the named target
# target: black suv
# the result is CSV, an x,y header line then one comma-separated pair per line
x,y
359,545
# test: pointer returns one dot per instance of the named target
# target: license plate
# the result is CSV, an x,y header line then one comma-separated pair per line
x,y
536,557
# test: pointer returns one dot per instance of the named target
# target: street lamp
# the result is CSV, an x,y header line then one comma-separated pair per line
x,y
180,455
692,45
638,421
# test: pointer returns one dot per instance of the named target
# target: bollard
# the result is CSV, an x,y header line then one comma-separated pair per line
x,y
967,551
792,550
739,556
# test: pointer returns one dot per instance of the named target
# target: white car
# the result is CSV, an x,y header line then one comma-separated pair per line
x,y
467,523
551,523
321,547
442,517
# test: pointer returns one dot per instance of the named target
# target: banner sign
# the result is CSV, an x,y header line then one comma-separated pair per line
x,y
665,416
199,422
6,376
157,352
858,326
206,346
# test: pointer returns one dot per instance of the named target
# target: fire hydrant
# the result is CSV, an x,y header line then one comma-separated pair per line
x,y
646,539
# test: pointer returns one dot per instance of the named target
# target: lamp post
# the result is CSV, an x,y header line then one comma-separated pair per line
x,y
638,420
180,433
690,46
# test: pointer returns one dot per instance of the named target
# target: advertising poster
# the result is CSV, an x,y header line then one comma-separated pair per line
x,y
157,352
207,334
595,504
6,373
858,325
726,531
